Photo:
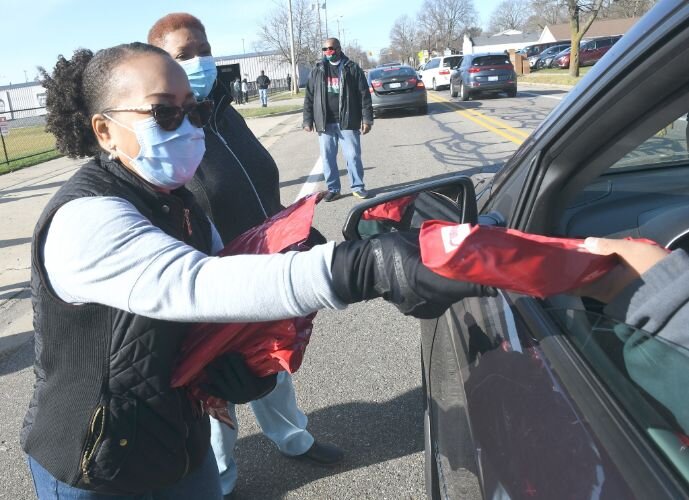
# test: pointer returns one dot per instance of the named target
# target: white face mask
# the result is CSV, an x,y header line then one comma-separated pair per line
x,y
166,159
202,73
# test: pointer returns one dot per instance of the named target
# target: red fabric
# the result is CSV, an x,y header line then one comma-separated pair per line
x,y
268,346
505,258
390,210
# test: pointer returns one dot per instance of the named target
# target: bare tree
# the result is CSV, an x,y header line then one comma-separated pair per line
x,y
510,15
545,12
274,32
354,52
443,22
616,9
582,13
404,40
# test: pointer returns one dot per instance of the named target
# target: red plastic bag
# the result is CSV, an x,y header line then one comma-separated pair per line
x,y
390,210
506,258
269,346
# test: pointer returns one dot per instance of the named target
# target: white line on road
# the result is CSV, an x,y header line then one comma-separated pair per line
x,y
311,181
541,95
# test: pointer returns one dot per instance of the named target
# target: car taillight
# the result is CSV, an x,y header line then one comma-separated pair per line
x,y
474,70
420,85
444,72
411,81
370,89
376,84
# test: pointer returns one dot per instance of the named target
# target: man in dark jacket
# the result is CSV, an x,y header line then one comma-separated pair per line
x,y
338,105
263,82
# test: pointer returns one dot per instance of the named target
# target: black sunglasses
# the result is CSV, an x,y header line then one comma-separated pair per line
x,y
171,117
328,48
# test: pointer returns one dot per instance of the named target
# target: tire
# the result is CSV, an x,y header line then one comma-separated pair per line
x,y
463,92
423,110
512,93
453,91
433,85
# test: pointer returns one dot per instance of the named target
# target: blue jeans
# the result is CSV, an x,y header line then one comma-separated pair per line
x,y
204,483
351,148
263,94
281,421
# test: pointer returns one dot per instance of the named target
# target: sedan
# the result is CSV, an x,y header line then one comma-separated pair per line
x,y
397,87
556,398
545,58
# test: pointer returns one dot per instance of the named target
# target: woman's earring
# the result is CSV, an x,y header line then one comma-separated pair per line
x,y
112,155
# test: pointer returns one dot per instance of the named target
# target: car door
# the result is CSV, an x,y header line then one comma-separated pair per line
x,y
549,412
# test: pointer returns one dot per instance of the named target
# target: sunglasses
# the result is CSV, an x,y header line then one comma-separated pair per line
x,y
328,48
171,117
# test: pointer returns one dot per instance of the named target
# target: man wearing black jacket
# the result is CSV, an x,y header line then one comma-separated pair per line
x,y
338,105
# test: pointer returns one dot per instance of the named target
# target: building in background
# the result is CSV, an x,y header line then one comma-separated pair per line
x,y
22,101
499,42
249,66
601,27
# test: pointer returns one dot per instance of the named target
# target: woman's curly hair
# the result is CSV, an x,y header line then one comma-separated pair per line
x,y
80,87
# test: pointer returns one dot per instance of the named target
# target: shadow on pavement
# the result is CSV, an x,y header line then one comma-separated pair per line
x,y
369,432
35,187
301,180
19,198
13,242
19,355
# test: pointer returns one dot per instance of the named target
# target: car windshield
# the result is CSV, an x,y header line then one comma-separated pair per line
x,y
490,61
392,71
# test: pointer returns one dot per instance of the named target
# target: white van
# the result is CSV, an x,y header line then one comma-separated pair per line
x,y
436,72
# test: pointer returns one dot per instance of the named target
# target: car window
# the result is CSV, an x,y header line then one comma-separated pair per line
x,y
433,63
646,374
391,72
668,146
490,61
451,62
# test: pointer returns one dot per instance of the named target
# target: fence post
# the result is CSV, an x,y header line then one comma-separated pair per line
x,y
4,149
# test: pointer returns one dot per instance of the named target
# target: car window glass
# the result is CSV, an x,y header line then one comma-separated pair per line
x,y
450,62
433,63
647,375
391,72
490,61
667,147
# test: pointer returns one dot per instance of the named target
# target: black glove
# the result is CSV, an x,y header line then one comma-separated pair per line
x,y
231,380
389,266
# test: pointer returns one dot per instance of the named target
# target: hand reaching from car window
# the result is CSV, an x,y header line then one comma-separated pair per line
x,y
636,258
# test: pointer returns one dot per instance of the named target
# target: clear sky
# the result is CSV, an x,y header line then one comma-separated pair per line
x,y
34,32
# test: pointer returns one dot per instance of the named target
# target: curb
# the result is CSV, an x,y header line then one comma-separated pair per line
x,y
553,85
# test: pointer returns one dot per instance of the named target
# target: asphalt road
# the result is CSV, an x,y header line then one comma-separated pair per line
x,y
360,383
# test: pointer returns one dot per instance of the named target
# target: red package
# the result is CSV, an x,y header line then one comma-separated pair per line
x,y
390,210
269,346
506,258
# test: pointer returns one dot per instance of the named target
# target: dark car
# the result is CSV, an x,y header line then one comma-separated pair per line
x,y
590,52
483,73
545,58
397,87
553,399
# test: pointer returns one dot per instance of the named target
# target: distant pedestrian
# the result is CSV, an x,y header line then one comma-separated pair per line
x,y
245,90
338,105
289,82
263,82
237,87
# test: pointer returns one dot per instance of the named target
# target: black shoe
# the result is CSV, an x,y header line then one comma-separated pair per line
x,y
323,454
331,196
362,194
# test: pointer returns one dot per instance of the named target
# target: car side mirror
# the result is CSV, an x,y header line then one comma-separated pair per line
x,y
451,199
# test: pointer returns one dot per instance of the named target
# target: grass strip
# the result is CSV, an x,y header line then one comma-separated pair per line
x,y
270,110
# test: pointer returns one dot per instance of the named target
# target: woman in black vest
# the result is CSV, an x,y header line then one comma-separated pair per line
x,y
120,265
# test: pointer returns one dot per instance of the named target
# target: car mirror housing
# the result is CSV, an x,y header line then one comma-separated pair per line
x,y
451,199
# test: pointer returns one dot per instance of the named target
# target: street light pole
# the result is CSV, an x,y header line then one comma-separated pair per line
x,y
325,11
295,84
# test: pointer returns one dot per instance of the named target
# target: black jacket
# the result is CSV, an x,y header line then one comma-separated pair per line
x,y
103,416
355,99
237,183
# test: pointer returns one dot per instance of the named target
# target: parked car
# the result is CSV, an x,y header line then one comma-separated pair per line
x,y
436,72
552,399
483,73
396,87
545,58
589,52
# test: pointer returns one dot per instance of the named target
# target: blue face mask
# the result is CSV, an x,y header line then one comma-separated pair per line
x,y
202,74
167,159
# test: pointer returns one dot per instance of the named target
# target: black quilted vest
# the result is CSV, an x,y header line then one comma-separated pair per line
x,y
103,416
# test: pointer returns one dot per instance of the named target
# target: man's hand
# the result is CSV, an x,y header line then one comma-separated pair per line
x,y
636,258
308,128
365,128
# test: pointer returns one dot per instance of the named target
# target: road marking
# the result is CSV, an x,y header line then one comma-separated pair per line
x,y
312,180
541,95
496,121
510,133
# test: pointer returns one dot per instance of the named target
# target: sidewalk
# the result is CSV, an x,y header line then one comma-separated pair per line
x,y
23,194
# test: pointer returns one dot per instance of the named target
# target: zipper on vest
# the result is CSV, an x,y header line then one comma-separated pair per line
x,y
187,222
93,439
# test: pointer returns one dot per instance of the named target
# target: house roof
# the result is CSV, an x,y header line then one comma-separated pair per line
x,y
505,38
602,27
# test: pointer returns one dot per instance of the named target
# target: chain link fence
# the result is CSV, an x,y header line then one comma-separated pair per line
x,y
23,139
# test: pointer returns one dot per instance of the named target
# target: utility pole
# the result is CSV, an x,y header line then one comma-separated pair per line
x,y
325,11
243,49
295,83
339,35
26,77
318,8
